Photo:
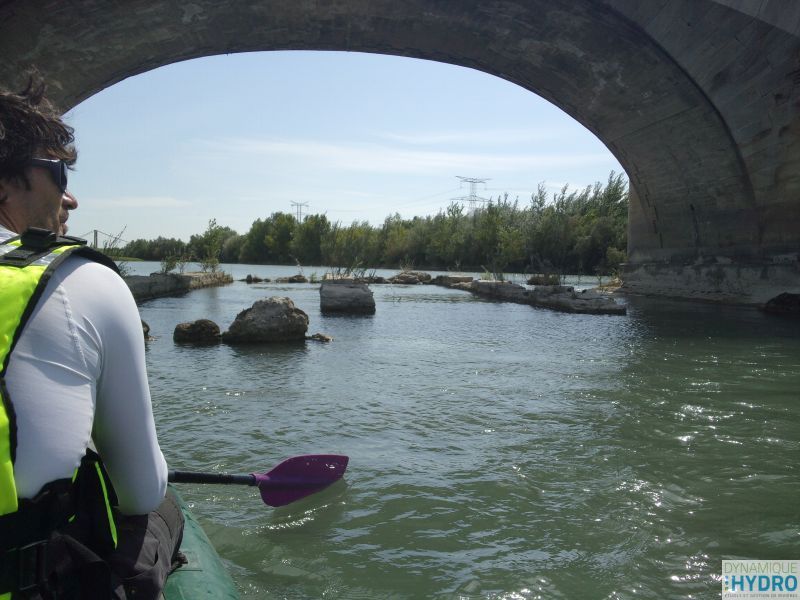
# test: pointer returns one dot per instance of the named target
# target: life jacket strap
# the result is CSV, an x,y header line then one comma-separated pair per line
x,y
37,243
36,519
24,570
75,512
24,538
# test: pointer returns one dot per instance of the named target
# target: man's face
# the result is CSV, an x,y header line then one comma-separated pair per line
x,y
43,205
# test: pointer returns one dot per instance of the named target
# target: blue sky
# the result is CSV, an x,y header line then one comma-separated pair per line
x,y
356,136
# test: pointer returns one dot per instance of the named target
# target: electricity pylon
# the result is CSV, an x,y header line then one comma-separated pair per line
x,y
473,199
299,206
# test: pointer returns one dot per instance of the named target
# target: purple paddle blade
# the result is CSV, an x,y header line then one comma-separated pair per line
x,y
299,477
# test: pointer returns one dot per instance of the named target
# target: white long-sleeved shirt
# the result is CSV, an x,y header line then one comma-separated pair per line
x,y
77,375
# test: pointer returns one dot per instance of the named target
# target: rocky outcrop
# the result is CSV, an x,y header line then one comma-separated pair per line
x,y
273,319
611,286
293,279
450,280
369,279
544,279
563,298
348,297
200,332
372,279
255,279
784,304
410,278
566,299
159,285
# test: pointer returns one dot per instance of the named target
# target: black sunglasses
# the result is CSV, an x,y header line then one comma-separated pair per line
x,y
56,168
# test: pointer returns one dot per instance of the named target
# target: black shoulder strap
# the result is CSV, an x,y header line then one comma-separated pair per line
x,y
37,243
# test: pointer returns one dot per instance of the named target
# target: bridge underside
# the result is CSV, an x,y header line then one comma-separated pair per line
x,y
698,99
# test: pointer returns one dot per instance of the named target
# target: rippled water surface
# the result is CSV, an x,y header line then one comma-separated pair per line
x,y
497,450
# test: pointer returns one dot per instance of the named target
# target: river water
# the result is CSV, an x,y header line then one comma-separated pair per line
x,y
496,450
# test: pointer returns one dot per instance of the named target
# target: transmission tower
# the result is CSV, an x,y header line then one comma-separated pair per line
x,y
299,206
473,199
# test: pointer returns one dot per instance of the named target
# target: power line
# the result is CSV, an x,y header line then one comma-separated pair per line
x,y
473,199
424,200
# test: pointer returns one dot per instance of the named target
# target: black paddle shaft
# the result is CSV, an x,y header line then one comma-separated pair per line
x,y
189,477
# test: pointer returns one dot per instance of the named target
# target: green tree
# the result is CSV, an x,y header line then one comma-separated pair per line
x,y
253,250
350,248
395,241
581,231
278,237
208,246
306,245
231,248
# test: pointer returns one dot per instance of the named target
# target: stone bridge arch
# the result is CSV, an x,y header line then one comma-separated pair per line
x,y
699,100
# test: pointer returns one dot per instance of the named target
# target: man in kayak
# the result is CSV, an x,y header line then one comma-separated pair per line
x,y
73,523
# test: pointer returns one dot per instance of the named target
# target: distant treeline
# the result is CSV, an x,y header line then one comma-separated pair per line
x,y
571,232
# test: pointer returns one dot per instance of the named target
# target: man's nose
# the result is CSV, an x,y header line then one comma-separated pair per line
x,y
69,201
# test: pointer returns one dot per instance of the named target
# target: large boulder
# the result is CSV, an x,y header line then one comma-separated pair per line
x,y
349,297
202,331
273,319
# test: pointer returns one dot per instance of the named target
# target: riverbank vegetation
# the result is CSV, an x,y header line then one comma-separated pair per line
x,y
579,231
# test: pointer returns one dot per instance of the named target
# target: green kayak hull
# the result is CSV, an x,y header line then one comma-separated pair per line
x,y
204,576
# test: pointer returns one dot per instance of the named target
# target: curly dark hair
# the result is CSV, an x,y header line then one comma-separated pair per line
x,y
31,126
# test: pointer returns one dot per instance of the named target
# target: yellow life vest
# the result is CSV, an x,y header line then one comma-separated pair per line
x,y
26,265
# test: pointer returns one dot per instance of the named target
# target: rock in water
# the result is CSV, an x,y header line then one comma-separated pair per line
x,y
202,331
555,297
320,337
343,296
293,279
411,278
449,280
784,304
273,319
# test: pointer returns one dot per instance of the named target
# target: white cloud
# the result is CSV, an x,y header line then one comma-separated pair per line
x,y
471,136
137,202
379,158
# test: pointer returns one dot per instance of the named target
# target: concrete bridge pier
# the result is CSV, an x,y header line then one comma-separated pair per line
x,y
710,276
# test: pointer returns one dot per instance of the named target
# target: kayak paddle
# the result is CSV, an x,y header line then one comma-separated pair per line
x,y
294,478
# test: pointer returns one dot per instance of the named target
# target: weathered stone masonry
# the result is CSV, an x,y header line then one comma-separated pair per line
x,y
699,100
